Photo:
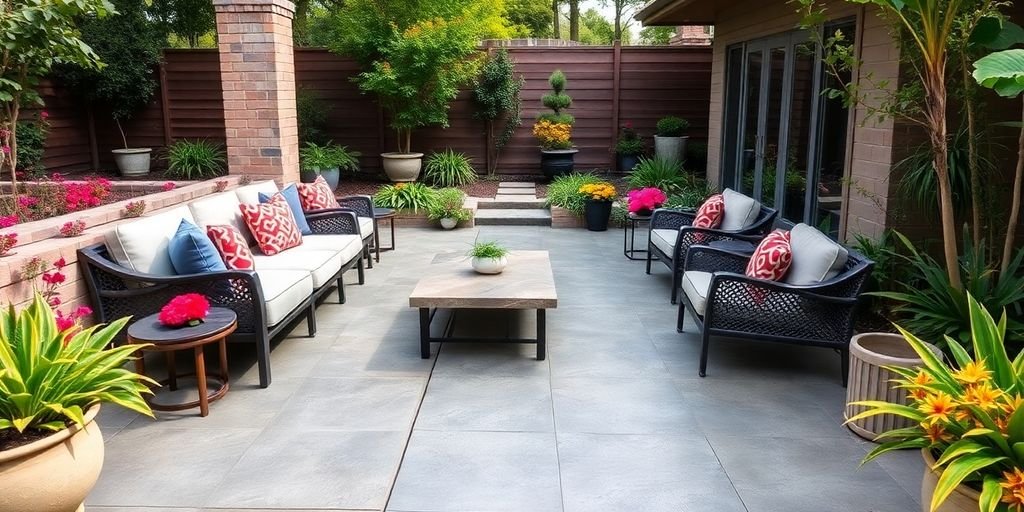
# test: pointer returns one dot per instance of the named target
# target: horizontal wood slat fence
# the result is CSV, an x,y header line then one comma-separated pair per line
x,y
609,85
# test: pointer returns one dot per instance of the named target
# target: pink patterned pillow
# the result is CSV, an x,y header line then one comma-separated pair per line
x,y
772,257
317,195
710,214
272,225
232,246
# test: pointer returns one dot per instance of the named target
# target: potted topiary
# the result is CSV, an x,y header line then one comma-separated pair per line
x,y
669,141
448,209
554,130
489,257
597,208
52,382
326,160
628,148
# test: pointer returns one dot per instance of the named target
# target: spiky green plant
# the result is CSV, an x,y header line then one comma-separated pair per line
x,y
449,169
405,196
564,191
661,173
195,159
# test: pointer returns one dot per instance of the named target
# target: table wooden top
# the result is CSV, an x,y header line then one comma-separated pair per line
x,y
150,330
526,283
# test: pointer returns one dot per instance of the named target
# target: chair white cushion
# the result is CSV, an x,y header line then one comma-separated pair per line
x,y
696,285
816,257
220,210
665,239
365,226
321,265
250,194
283,291
141,245
740,211
348,246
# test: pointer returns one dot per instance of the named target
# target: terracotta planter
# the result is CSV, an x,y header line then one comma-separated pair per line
x,y
869,353
963,498
53,474
402,167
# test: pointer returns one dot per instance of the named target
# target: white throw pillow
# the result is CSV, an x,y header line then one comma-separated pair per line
x,y
220,210
816,257
141,244
740,211
250,194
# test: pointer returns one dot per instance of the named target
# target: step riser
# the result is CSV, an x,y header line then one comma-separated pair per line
x,y
512,222
510,205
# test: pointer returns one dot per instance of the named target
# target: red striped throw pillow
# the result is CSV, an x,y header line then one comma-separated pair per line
x,y
272,225
772,258
710,213
232,246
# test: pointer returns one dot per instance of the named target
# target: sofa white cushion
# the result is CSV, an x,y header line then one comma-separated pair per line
x,y
250,194
665,239
348,246
321,265
365,226
740,211
283,291
816,257
141,245
220,210
695,285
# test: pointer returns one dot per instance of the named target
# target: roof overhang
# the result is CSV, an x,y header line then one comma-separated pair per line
x,y
680,12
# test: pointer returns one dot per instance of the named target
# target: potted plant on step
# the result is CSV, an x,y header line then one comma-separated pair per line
x,y
327,160
597,209
628,148
488,257
967,418
448,208
554,130
52,382
669,141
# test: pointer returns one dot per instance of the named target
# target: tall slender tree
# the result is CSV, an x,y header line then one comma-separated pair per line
x,y
556,19
574,20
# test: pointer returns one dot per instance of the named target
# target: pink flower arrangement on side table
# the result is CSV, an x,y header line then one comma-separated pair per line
x,y
645,200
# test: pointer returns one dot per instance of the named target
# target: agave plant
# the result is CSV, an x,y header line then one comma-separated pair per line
x,y
50,377
970,415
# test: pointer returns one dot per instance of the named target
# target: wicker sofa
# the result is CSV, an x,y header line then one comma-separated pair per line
x,y
131,273
672,232
814,304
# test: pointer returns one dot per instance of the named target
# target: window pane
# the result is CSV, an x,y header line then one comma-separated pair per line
x,y
833,137
799,132
776,77
750,122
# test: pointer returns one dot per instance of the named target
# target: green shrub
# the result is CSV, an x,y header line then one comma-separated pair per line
x,y
448,204
693,194
664,174
564,191
31,136
672,126
195,160
405,196
449,169
496,94
557,100
316,157
312,115
629,142
489,250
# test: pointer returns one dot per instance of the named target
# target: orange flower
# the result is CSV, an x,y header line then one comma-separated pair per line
x,y
983,395
973,373
938,407
935,433
1012,403
917,386
1013,489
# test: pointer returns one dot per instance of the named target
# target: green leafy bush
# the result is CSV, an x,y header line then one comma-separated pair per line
x,y
316,157
488,250
496,94
312,115
406,196
672,126
629,142
693,194
449,169
564,191
660,173
31,138
195,160
557,100
448,204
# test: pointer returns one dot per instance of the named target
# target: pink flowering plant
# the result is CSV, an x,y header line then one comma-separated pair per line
x,y
221,185
643,201
51,278
51,196
72,228
169,186
7,242
135,208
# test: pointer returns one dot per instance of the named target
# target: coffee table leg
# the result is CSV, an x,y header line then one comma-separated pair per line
x,y
541,334
425,333
204,400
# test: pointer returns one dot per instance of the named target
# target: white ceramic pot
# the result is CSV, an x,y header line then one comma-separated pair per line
x,y
132,161
53,474
963,498
490,265
449,223
402,166
670,148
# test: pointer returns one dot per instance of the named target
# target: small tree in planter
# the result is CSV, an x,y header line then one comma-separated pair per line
x,y
129,46
497,97
669,141
554,129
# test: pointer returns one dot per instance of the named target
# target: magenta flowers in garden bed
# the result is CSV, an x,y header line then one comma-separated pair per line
x,y
643,201
52,196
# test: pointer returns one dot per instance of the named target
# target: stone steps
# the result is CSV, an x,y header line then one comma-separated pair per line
x,y
513,217
511,203
515,204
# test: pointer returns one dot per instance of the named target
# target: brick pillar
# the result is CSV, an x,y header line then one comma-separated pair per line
x,y
257,71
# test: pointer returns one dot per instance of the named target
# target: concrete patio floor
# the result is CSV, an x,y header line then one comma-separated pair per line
x,y
616,418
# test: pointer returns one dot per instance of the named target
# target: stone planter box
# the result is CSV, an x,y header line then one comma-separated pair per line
x,y
562,218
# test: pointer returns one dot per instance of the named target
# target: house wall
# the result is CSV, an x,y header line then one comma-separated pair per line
x,y
867,194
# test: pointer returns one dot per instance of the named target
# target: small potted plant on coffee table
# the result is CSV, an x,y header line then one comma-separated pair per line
x,y
489,257
448,208
669,141
629,147
597,209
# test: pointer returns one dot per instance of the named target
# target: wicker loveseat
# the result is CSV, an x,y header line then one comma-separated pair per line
x,y
672,233
131,273
813,305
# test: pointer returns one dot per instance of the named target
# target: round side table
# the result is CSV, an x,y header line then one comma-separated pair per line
x,y
383,214
219,323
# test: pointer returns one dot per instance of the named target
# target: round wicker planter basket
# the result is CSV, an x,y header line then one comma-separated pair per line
x,y
869,352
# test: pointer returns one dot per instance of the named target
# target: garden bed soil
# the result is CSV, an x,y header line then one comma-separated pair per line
x,y
11,439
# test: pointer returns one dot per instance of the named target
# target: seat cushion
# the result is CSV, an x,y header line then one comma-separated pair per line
x,y
365,226
772,258
322,265
220,210
348,246
740,211
232,247
250,194
283,291
816,257
696,285
709,215
665,240
272,225
291,195
192,252
141,245
317,195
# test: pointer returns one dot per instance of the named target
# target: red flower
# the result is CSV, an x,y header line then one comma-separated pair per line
x,y
184,309
646,199
170,185
65,322
81,311
54,278
628,124
60,263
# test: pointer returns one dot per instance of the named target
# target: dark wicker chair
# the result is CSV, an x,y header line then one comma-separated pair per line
x,y
664,218
116,291
820,315
363,207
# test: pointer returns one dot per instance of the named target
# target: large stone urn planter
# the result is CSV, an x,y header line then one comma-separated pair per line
x,y
53,474
963,498
869,380
132,161
402,166
670,148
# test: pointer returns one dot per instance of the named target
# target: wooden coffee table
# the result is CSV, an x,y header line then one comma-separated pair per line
x,y
526,283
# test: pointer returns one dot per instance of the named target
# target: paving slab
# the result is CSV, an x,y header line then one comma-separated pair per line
x,y
516,184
